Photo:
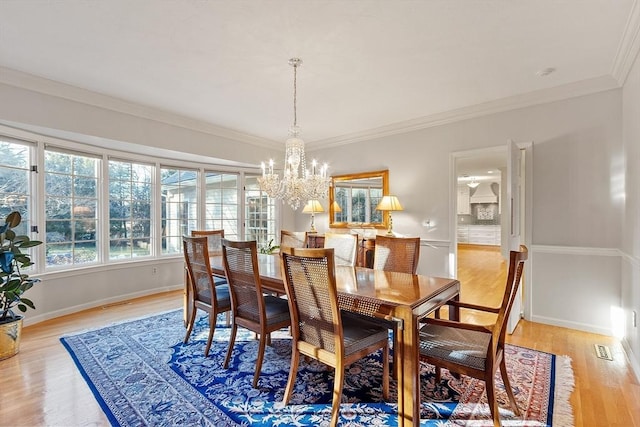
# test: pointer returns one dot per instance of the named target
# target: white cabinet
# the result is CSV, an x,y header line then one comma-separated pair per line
x,y
479,234
464,207
463,234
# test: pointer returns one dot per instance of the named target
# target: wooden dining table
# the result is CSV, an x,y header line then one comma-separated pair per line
x,y
400,297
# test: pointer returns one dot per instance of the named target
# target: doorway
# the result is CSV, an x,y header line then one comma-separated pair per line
x,y
481,236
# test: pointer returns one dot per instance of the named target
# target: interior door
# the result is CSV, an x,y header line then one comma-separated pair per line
x,y
514,187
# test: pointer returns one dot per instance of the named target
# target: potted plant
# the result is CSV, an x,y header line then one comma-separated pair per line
x,y
13,283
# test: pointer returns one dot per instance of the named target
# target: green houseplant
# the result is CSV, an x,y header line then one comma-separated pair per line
x,y
13,283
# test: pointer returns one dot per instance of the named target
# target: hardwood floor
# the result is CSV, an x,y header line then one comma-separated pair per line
x,y
41,385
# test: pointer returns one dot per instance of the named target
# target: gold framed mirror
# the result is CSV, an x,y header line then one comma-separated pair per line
x,y
353,199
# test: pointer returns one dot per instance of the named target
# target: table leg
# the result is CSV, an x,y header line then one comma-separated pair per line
x,y
409,370
454,310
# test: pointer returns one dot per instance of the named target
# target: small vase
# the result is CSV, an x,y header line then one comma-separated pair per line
x,y
10,338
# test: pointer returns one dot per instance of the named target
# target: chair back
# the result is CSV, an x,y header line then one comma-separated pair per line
x,y
293,239
514,275
345,247
196,256
241,267
214,238
399,254
310,283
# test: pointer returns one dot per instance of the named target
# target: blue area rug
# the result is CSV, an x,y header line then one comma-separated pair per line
x,y
142,374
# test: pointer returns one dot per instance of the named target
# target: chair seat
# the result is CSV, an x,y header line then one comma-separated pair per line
x,y
460,346
222,294
361,333
217,280
277,309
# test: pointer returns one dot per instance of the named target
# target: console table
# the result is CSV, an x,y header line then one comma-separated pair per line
x,y
366,248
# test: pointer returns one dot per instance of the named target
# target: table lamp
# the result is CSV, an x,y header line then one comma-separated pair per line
x,y
389,204
312,207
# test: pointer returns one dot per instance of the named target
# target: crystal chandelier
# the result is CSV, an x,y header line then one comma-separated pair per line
x,y
298,184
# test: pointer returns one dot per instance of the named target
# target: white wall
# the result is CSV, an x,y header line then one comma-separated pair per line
x,y
576,208
630,184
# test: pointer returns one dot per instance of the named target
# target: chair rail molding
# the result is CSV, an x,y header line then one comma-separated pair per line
x,y
576,250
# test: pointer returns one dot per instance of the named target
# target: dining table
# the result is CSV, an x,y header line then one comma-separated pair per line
x,y
400,297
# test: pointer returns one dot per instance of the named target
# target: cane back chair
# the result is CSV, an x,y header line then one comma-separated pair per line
x,y
203,293
476,350
251,309
316,323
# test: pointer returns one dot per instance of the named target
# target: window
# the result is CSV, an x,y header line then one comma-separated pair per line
x,y
259,213
15,194
130,208
123,209
71,208
179,190
221,203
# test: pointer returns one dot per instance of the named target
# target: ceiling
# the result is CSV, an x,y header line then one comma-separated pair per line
x,y
371,67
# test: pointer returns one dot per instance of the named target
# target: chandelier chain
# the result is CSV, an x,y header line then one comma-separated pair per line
x,y
295,95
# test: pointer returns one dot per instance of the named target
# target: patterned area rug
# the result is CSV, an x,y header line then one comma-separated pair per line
x,y
142,374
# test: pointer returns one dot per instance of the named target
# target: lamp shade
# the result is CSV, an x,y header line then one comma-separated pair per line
x,y
312,206
389,203
336,207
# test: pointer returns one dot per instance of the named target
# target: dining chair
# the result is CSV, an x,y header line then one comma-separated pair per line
x,y
214,241
251,308
399,254
293,239
345,247
204,294
476,350
316,322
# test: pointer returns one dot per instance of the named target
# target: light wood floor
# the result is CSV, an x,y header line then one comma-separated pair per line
x,y
41,385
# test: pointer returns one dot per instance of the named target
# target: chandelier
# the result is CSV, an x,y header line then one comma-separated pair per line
x,y
298,184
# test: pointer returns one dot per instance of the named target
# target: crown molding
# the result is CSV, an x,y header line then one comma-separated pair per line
x,y
62,90
629,46
38,84
571,90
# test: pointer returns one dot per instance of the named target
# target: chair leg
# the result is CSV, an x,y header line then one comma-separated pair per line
x,y
293,372
438,374
261,348
337,394
190,321
396,361
212,329
385,372
507,386
228,317
491,399
232,341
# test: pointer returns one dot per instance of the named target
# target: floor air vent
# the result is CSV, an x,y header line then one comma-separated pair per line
x,y
602,351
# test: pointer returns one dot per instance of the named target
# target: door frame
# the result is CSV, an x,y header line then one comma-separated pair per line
x,y
526,219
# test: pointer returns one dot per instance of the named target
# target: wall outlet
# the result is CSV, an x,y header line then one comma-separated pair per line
x,y
154,270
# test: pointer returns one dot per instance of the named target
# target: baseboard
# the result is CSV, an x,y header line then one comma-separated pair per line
x,y
32,320
571,325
